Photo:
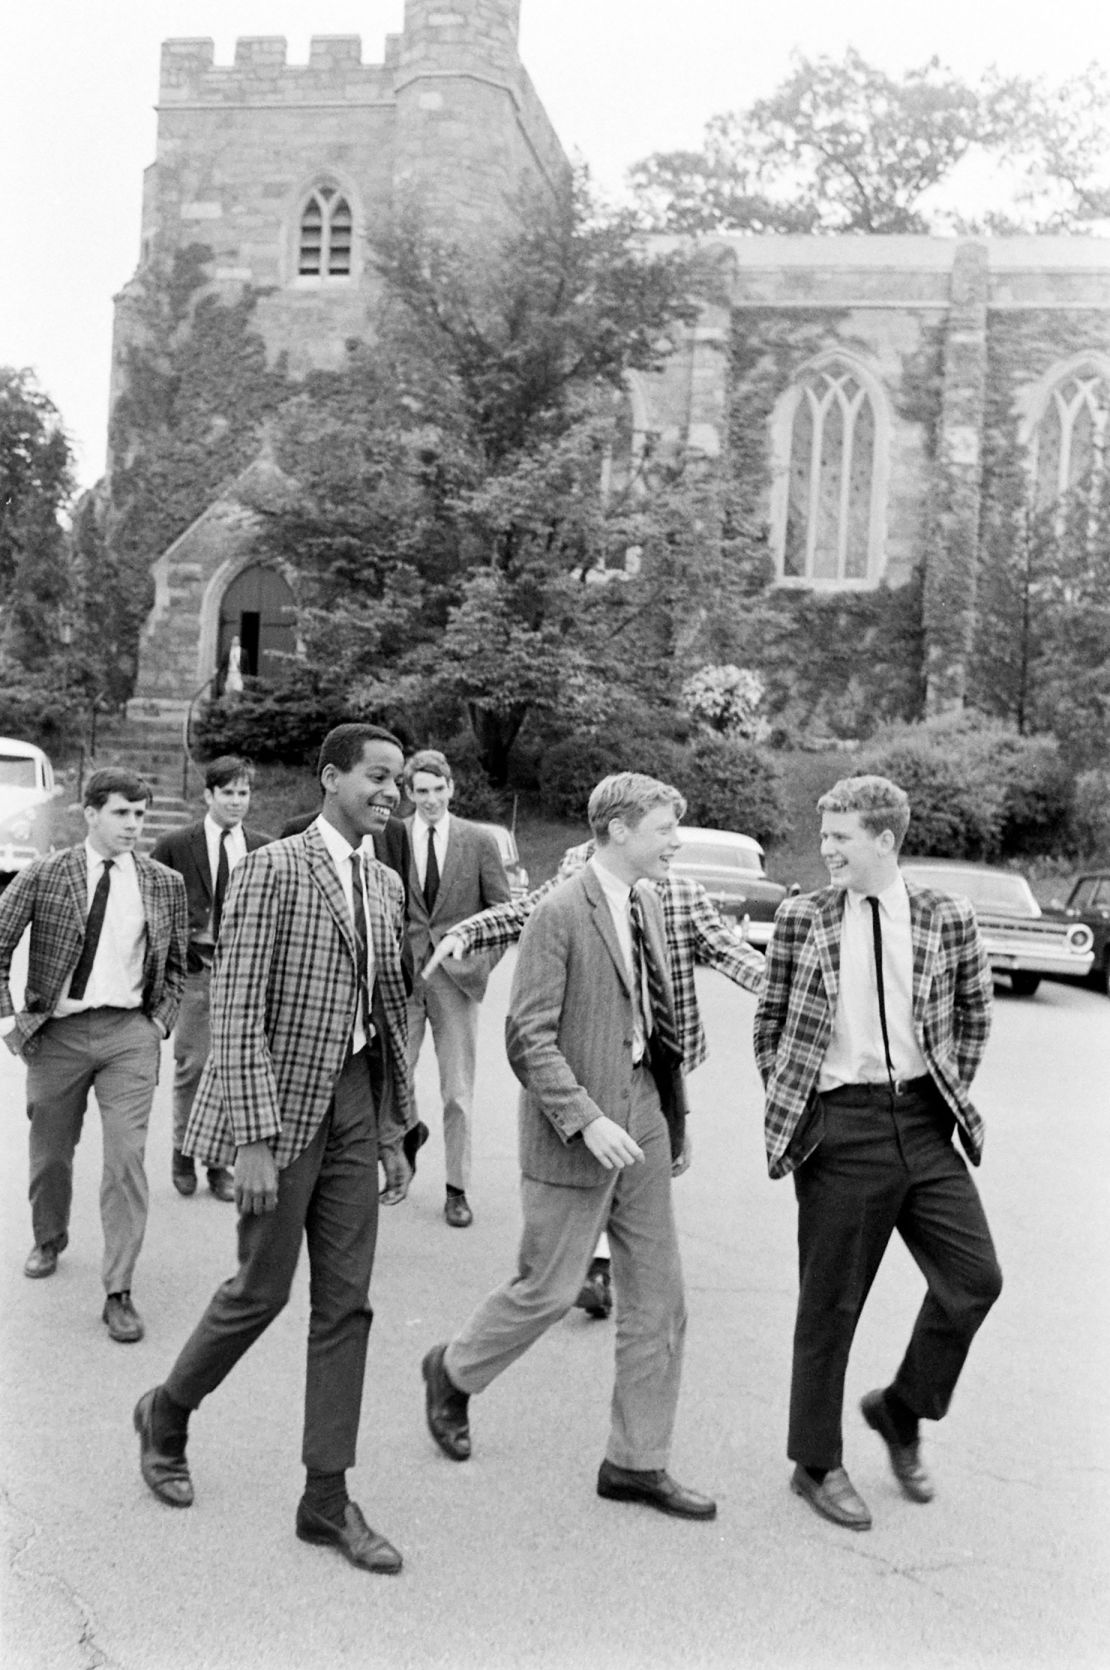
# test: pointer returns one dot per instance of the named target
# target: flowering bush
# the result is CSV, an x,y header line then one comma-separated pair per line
x,y
726,699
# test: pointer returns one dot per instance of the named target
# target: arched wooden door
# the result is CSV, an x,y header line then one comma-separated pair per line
x,y
257,608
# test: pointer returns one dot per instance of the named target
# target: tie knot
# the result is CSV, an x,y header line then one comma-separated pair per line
x,y
108,862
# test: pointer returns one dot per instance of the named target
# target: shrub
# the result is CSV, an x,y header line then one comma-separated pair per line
x,y
1092,816
281,723
569,770
474,796
730,784
49,720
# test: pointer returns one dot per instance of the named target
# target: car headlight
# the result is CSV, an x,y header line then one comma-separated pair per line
x,y
1080,938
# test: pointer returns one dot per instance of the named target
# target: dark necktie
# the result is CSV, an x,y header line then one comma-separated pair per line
x,y
358,899
661,1022
877,935
223,870
93,925
431,874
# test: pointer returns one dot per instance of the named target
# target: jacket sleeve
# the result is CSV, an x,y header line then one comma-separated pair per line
x,y
532,1026
973,999
493,883
716,946
501,925
177,951
17,906
774,999
244,962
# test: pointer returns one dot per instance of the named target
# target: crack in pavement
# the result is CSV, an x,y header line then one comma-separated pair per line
x,y
24,1532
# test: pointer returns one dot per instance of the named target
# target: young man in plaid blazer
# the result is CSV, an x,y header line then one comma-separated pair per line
x,y
871,1025
305,1090
104,981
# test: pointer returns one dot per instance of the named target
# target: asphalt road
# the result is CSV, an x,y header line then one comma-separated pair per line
x,y
511,1561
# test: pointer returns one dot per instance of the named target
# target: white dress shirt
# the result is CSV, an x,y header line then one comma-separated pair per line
x,y
341,851
855,1054
116,978
420,829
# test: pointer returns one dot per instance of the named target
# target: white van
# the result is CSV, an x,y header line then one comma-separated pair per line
x,y
27,792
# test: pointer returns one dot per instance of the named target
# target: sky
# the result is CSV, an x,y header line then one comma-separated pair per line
x,y
619,78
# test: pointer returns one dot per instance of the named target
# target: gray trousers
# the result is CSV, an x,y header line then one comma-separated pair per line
x,y
327,1196
116,1053
561,1227
192,1041
454,1021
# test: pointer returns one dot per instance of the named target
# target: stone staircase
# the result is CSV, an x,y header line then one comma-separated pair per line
x,y
154,750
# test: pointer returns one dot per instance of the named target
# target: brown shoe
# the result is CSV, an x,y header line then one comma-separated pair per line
x,y
161,1459
184,1173
834,1498
445,1407
656,1489
221,1182
905,1459
42,1260
354,1538
595,1296
456,1209
124,1321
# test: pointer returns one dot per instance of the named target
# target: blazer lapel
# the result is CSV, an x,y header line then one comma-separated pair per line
x,y
925,931
325,876
77,885
450,865
603,921
826,940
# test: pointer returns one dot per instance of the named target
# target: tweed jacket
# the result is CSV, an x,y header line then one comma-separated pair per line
x,y
952,997
284,990
694,933
186,851
568,1031
472,876
52,896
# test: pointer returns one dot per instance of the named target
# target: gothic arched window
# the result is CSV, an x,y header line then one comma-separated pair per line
x,y
326,236
1071,439
828,530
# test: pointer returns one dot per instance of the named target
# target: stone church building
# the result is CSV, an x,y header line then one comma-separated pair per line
x,y
867,376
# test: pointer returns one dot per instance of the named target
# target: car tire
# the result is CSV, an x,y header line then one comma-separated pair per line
x,y
1100,977
1024,984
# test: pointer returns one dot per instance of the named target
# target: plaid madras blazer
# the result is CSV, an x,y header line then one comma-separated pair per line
x,y
284,991
952,997
694,933
51,896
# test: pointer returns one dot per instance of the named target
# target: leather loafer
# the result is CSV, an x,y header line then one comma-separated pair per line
x,y
184,1173
124,1322
456,1210
445,1407
834,1498
354,1538
595,1296
163,1463
43,1260
905,1459
221,1183
413,1141
656,1488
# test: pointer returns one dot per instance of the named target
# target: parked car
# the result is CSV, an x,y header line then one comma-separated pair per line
x,y
27,792
731,869
1021,941
510,857
1089,903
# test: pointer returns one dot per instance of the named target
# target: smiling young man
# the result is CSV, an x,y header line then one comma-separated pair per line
x,y
104,980
591,1035
871,1025
204,855
307,990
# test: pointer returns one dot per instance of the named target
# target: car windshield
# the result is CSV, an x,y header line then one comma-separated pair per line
x,y
987,890
17,772
713,857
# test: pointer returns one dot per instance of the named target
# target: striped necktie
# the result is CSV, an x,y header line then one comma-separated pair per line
x,y
660,1024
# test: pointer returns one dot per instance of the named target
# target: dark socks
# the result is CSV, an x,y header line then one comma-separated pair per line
x,y
456,1192
902,1417
817,1474
599,1266
169,1419
326,1494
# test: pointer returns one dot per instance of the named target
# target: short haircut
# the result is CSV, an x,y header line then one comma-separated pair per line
x,y
343,745
629,795
428,759
880,803
113,779
219,774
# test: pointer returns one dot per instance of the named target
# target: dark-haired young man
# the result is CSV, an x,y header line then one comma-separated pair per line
x,y
204,855
307,985
868,1033
104,980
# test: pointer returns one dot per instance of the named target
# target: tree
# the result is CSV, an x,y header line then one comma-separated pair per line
x,y
841,146
36,483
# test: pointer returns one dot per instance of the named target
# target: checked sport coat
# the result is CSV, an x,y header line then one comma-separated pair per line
x,y
52,896
952,997
694,933
284,990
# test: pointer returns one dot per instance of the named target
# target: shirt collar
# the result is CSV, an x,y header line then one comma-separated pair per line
x,y
123,861
215,830
894,901
423,825
613,887
338,845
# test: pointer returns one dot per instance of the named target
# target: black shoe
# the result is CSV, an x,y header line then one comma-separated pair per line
x,y
124,1322
354,1538
221,1182
445,1407
42,1260
905,1459
595,1296
184,1173
162,1459
834,1498
413,1141
456,1209
656,1488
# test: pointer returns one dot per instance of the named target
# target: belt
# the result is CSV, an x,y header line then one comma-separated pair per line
x,y
879,1090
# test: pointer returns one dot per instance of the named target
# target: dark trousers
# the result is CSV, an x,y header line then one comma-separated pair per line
x,y
329,1195
884,1163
